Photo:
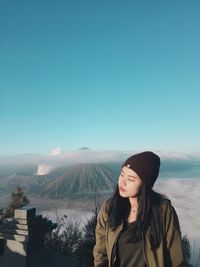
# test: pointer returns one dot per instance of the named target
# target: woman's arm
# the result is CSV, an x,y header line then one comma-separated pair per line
x,y
99,250
173,237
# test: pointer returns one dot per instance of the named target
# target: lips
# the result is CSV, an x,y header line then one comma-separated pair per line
x,y
122,189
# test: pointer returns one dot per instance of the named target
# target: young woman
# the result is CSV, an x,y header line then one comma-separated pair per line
x,y
138,227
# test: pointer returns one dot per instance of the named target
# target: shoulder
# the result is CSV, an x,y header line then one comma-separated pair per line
x,y
105,205
169,213
103,211
165,202
160,202
166,205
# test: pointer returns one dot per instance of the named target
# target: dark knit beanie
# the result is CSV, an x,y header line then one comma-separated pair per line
x,y
146,164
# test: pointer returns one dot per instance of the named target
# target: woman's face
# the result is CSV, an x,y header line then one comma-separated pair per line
x,y
129,182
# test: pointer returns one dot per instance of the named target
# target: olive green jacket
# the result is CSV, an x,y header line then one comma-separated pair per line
x,y
168,254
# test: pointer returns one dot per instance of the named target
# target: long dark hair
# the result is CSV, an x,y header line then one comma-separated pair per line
x,y
148,213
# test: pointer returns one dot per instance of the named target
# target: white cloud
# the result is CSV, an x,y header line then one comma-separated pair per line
x,y
88,156
56,151
59,157
185,197
97,156
171,155
44,169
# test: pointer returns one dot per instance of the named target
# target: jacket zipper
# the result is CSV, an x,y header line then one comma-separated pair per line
x,y
143,246
114,250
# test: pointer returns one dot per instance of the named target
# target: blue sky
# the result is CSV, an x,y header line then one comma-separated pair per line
x,y
101,74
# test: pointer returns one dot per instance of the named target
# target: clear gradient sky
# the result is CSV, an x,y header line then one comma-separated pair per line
x,y
99,73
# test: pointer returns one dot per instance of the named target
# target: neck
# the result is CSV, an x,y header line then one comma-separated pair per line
x,y
133,201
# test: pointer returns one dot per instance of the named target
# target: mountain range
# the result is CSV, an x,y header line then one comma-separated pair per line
x,y
79,179
72,181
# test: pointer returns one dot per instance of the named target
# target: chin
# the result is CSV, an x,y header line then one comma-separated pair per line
x,y
122,194
133,196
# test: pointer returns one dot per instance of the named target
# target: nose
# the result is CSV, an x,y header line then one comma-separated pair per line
x,y
123,181
123,185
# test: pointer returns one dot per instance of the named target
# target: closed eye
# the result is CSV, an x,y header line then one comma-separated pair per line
x,y
131,180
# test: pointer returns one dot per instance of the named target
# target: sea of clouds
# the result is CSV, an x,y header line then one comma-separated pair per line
x,y
171,160
184,194
179,180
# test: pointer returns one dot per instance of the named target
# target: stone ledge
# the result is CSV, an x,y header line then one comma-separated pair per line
x,y
25,213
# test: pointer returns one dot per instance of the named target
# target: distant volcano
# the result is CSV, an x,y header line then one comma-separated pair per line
x,y
84,148
81,180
